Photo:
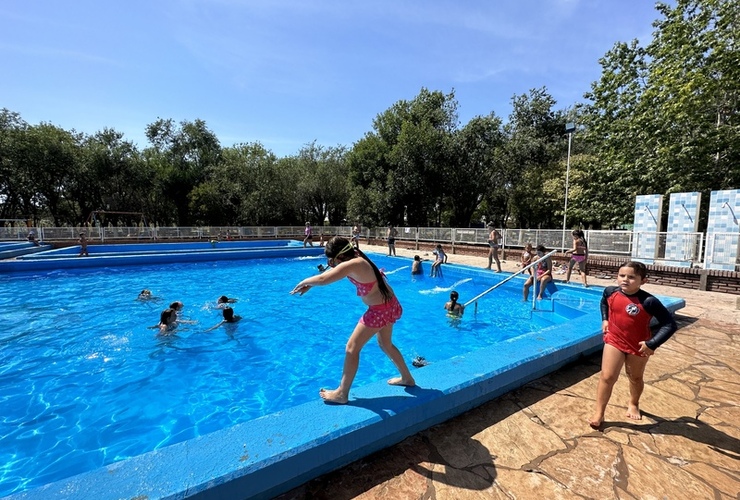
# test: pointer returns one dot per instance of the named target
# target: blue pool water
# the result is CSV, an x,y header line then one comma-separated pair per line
x,y
84,382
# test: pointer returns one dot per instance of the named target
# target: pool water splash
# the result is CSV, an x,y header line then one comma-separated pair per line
x,y
439,289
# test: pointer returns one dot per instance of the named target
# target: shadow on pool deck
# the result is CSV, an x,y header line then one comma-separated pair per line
x,y
534,442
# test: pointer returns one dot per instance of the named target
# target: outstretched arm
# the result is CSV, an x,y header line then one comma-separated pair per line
x,y
327,277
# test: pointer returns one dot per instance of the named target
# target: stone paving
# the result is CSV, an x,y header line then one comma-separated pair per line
x,y
534,442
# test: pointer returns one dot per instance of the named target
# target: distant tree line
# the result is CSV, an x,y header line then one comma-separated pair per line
x,y
661,119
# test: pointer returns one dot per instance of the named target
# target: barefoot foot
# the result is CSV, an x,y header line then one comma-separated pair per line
x,y
596,422
401,381
633,412
335,396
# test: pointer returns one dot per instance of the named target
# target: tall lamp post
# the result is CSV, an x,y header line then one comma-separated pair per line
x,y
569,129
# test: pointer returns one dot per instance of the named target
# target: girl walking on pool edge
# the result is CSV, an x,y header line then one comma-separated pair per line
x,y
383,311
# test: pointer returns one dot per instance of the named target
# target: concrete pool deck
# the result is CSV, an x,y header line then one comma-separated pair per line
x,y
534,442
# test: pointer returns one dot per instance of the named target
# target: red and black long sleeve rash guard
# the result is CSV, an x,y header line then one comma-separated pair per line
x,y
629,319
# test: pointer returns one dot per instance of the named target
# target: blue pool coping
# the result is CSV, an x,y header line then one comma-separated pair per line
x,y
155,253
270,455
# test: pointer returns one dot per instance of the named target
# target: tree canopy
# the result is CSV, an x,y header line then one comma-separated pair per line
x,y
662,118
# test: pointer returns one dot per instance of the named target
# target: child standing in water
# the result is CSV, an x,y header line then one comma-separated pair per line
x,y
626,312
383,311
452,307
416,266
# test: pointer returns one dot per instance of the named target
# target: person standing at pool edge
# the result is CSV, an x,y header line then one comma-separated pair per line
x,y
626,313
309,235
383,311
493,245
83,246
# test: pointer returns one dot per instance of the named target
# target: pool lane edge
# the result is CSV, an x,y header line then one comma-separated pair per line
x,y
275,453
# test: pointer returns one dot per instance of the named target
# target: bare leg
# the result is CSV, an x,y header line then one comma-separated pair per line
x,y
490,258
385,342
634,367
498,262
570,269
527,284
612,360
584,276
356,342
543,284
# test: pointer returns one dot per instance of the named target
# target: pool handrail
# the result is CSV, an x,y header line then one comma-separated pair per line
x,y
520,271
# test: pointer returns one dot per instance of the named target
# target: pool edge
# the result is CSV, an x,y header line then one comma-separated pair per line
x,y
270,455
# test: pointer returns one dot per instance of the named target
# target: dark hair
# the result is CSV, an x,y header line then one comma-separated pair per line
x,y
223,299
639,268
228,314
416,257
339,245
581,236
453,299
164,318
176,305
541,248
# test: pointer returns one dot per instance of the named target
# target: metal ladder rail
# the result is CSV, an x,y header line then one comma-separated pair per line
x,y
532,264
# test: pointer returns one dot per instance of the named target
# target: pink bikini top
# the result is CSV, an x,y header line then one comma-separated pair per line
x,y
362,288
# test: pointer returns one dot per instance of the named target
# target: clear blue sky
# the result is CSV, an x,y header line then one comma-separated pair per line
x,y
286,73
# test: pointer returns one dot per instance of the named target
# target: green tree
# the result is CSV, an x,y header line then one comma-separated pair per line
x,y
478,173
17,191
322,188
398,167
182,156
664,118
113,175
534,151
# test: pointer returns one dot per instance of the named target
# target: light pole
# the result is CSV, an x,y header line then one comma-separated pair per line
x,y
569,129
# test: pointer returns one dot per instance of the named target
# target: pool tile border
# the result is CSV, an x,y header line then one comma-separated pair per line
x,y
272,454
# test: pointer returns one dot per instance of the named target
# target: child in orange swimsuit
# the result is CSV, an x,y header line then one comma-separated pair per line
x,y
383,311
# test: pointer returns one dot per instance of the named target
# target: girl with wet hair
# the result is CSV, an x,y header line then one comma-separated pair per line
x,y
347,261
452,307
167,321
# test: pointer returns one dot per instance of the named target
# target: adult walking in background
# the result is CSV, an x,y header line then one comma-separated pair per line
x,y
391,236
356,230
308,235
493,244
578,255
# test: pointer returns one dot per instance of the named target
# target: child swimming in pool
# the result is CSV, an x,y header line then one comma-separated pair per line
x,y
347,261
229,317
453,308
167,321
223,301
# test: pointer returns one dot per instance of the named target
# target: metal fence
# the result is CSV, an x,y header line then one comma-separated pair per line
x,y
719,250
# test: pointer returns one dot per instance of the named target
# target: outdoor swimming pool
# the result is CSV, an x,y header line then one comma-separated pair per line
x,y
85,383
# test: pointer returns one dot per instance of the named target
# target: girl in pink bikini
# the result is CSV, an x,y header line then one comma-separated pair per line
x,y
383,311
578,255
